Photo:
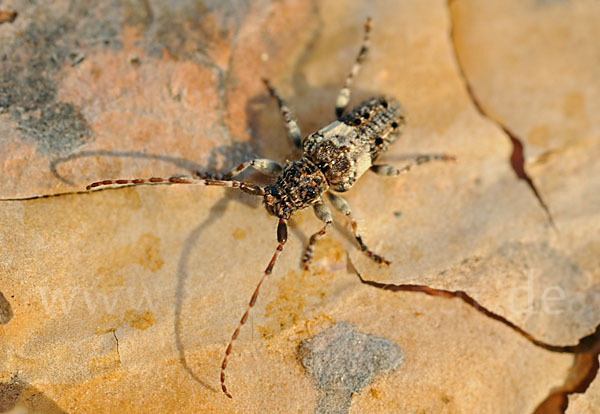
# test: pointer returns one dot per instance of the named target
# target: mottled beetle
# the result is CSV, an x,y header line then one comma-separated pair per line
x,y
333,158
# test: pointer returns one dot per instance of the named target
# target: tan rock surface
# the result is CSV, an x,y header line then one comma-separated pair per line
x,y
137,89
472,226
533,66
124,299
104,323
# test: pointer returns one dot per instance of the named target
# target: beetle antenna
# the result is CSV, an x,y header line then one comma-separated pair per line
x,y
246,187
281,238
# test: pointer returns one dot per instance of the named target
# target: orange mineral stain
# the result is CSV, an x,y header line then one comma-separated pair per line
x,y
139,320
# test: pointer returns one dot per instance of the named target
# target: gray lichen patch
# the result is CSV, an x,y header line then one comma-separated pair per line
x,y
56,34
342,361
187,29
59,127
62,33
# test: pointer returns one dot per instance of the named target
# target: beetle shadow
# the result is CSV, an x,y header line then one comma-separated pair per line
x,y
231,154
216,212
227,155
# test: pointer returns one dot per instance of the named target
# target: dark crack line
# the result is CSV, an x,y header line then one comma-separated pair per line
x,y
117,342
581,374
588,349
517,161
473,303
517,158
585,365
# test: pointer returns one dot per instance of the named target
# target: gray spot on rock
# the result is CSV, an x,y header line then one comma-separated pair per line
x,y
342,361
57,33
10,391
188,29
63,32
18,396
6,312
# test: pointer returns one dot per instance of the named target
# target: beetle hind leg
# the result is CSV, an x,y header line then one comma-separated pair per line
x,y
391,171
342,206
324,214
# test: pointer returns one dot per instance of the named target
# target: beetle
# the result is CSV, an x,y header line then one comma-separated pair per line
x,y
333,159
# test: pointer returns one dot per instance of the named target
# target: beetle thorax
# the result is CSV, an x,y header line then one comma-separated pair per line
x,y
299,185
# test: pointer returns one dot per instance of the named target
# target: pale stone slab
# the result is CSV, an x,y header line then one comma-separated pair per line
x,y
124,299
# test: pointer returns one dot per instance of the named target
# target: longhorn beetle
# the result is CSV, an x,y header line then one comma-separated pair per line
x,y
333,158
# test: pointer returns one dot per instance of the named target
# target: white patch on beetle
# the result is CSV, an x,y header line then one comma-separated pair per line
x,y
363,163
336,129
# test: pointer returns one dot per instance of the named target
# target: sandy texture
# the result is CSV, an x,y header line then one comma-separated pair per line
x,y
144,322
